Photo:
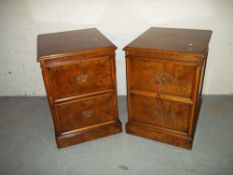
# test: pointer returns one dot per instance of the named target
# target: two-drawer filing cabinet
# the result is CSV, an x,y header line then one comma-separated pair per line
x,y
165,72
80,78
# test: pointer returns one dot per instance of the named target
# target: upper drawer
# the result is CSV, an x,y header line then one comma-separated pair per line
x,y
80,77
164,77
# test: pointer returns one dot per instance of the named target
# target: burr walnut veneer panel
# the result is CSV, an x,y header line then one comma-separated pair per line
x,y
80,78
165,72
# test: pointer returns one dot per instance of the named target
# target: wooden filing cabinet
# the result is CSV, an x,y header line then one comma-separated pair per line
x,y
80,78
165,72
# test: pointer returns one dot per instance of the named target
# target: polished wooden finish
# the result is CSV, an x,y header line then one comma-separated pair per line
x,y
165,72
86,112
175,80
76,41
163,113
80,78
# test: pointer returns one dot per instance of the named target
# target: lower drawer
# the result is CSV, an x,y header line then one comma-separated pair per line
x,y
85,112
171,115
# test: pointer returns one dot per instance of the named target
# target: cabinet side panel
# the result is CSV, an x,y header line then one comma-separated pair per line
x,y
49,91
128,78
114,82
195,101
199,97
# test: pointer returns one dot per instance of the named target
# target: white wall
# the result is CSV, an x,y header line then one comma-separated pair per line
x,y
121,21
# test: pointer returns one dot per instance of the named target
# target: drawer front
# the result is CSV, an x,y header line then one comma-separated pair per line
x,y
162,77
86,112
80,77
171,115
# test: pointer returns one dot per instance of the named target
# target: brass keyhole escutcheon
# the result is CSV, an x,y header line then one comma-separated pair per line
x,y
160,78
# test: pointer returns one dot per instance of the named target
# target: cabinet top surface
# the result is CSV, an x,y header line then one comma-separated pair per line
x,y
173,39
71,41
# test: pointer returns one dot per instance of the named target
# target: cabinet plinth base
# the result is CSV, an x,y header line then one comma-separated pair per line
x,y
89,134
151,132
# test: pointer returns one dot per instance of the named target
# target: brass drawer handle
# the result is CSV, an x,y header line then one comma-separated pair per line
x,y
82,77
87,113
